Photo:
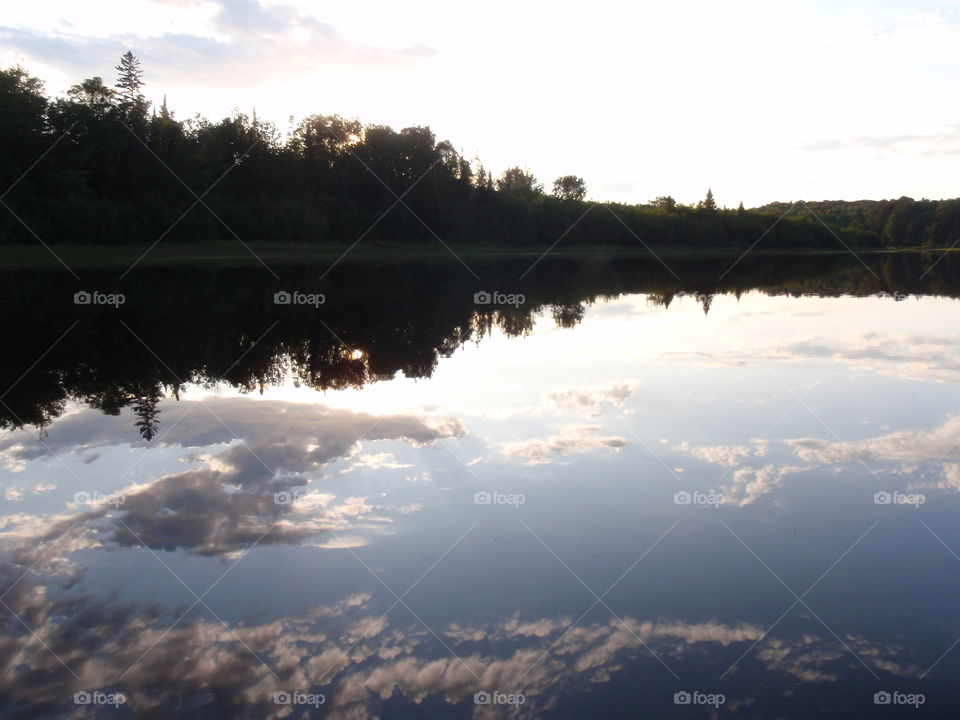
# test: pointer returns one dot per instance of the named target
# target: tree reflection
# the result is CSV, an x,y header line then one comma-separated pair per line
x,y
220,326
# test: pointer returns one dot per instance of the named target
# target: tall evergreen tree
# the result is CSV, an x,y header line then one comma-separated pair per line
x,y
129,78
708,202
147,412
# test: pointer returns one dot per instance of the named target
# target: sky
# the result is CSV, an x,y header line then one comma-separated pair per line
x,y
760,101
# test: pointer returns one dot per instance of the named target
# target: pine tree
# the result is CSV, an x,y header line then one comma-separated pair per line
x,y
740,209
147,412
709,203
129,78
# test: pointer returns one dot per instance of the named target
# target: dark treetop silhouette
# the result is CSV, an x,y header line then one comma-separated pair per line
x,y
108,180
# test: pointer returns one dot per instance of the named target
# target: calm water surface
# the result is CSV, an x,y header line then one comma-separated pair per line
x,y
620,499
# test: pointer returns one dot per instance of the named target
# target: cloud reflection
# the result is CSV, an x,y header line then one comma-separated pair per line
x,y
359,658
258,489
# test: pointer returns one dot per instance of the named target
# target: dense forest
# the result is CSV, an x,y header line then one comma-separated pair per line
x,y
896,223
101,166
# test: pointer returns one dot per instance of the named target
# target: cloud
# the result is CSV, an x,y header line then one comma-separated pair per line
x,y
803,660
595,400
244,43
925,358
903,450
257,490
940,443
573,440
367,627
727,455
750,484
285,436
359,657
944,142
192,510
376,461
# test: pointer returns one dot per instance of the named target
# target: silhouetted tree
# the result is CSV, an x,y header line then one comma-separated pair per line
x,y
570,187
23,108
483,180
708,203
519,183
145,408
664,201
129,78
93,94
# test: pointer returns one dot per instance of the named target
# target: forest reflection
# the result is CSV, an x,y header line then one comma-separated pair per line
x,y
212,326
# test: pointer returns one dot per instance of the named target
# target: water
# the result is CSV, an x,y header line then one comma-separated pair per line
x,y
628,495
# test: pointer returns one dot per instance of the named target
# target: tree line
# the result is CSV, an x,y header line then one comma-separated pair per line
x,y
904,222
114,170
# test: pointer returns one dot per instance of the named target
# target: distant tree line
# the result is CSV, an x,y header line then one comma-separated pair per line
x,y
116,171
895,223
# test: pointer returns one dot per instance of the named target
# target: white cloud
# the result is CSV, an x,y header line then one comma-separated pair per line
x,y
727,455
572,440
750,483
593,400
375,461
940,443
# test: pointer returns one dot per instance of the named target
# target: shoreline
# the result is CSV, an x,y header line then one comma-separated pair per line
x,y
38,257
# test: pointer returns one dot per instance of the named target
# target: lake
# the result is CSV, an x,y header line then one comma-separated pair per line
x,y
576,488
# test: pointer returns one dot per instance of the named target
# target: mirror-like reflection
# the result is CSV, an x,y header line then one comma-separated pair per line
x,y
177,326
624,494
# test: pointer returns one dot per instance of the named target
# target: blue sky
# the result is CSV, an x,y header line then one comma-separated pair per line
x,y
762,101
